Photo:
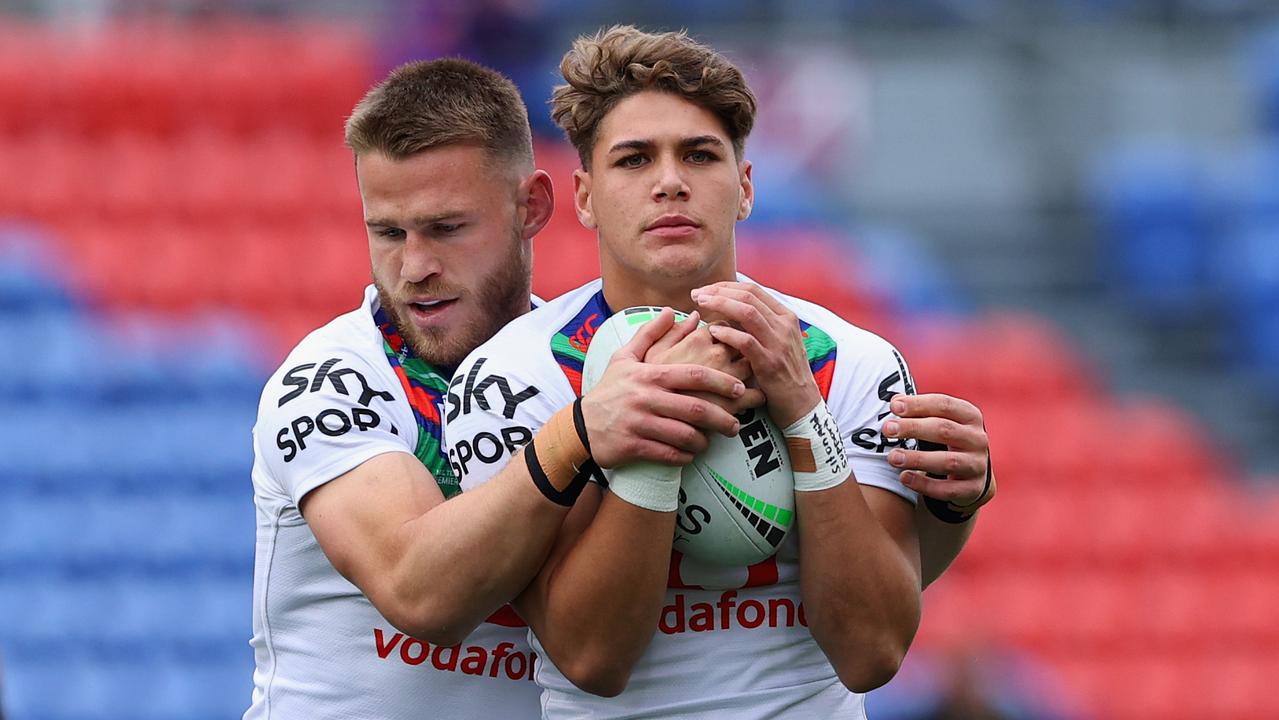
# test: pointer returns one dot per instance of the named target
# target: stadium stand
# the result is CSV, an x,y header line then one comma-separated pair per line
x,y
173,247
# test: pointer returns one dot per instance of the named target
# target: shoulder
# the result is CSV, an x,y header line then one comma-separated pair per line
x,y
335,382
526,348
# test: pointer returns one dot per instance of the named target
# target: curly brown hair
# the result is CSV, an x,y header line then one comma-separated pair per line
x,y
427,104
602,70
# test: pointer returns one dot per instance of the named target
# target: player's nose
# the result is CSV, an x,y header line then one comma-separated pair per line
x,y
419,260
670,182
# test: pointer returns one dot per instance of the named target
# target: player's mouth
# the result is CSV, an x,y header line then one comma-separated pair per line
x,y
429,311
673,226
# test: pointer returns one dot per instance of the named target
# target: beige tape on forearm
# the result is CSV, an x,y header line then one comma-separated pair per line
x,y
816,451
559,450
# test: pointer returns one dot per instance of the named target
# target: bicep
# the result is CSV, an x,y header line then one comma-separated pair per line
x,y
358,518
897,516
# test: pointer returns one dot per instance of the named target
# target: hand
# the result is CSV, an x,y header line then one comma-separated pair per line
x,y
642,411
956,424
690,344
768,336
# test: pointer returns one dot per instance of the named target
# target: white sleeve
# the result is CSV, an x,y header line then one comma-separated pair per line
x,y
862,387
321,418
498,399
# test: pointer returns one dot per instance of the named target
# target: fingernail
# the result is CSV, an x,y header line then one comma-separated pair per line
x,y
736,426
897,458
890,428
908,479
898,407
738,389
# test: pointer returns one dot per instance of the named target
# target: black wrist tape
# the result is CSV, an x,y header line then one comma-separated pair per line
x,y
579,424
565,497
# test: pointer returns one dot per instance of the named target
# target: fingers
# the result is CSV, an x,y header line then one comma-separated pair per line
x,y
740,307
694,411
764,296
673,433
959,492
648,334
739,368
675,334
961,465
752,398
936,405
695,378
743,342
939,430
661,453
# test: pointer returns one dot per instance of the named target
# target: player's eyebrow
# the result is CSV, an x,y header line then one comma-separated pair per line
x,y
419,221
695,141
702,140
632,145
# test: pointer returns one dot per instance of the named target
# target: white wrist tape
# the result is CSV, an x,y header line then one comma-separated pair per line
x,y
647,485
816,451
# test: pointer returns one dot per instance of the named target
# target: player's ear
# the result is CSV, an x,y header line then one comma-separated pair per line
x,y
538,198
582,198
746,197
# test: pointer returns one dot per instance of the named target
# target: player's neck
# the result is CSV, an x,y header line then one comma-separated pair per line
x,y
622,290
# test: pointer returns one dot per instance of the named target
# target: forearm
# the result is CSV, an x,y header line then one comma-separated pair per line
x,y
604,599
860,585
940,542
466,557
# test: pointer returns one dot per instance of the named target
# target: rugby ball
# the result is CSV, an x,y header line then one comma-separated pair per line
x,y
737,498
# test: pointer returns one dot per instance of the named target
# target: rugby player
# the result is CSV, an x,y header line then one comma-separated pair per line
x,y
660,124
372,596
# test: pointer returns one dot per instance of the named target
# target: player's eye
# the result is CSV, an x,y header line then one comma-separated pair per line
x,y
446,228
632,161
391,233
701,156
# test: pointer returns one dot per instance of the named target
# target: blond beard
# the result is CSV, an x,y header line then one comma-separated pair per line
x,y
503,296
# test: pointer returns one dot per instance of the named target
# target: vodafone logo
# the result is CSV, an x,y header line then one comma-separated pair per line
x,y
502,660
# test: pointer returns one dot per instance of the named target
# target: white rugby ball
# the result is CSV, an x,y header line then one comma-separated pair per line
x,y
737,498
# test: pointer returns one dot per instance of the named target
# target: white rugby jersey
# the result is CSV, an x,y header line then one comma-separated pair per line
x,y
732,641
322,650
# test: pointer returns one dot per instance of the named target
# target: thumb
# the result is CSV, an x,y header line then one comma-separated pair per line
x,y
648,334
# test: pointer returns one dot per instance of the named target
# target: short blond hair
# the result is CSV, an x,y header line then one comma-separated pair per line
x,y
602,70
432,103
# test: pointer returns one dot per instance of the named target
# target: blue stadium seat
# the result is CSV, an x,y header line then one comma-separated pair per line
x,y
218,529
28,273
1249,268
1261,68
1155,215
929,291
42,689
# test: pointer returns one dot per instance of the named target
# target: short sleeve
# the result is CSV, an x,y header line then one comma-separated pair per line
x,y
322,417
498,399
859,400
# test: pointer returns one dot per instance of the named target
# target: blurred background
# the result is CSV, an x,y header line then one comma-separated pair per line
x,y
1065,211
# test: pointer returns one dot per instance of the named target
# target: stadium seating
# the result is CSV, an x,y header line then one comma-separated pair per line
x,y
185,244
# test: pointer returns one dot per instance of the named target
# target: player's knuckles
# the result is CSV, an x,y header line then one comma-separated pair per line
x,y
692,440
947,432
948,406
